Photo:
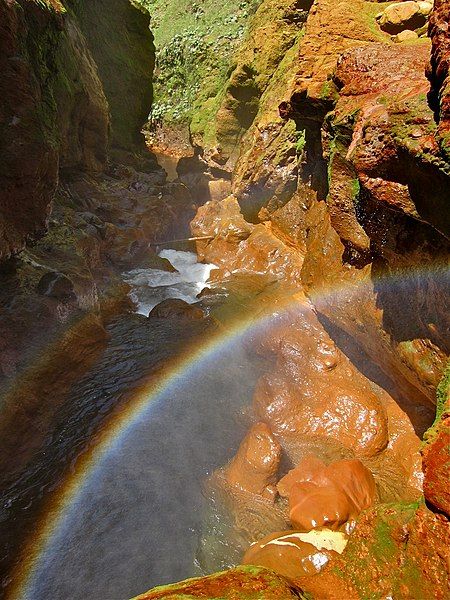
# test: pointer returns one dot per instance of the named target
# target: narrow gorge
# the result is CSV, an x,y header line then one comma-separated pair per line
x,y
224,283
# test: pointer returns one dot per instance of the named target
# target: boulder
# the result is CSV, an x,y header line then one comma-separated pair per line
x,y
406,36
255,466
321,496
174,308
243,583
403,15
295,554
56,285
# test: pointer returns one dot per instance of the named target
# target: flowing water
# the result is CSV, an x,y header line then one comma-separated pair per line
x,y
152,286
142,505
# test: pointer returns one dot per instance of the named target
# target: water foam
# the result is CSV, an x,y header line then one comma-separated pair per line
x,y
152,286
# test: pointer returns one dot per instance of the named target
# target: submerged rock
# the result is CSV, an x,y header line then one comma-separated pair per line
x,y
56,285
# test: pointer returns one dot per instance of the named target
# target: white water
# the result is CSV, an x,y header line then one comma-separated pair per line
x,y
151,286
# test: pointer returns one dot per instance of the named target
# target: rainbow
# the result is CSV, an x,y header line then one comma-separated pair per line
x,y
121,425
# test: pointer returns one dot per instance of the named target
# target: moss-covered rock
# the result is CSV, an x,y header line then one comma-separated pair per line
x,y
195,43
219,124
436,451
242,583
396,550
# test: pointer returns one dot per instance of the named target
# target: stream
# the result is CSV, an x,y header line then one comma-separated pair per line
x,y
142,503
152,286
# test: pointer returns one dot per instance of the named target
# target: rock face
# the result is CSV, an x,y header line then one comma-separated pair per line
x,y
100,226
436,452
351,176
55,112
29,164
439,73
119,39
217,127
354,162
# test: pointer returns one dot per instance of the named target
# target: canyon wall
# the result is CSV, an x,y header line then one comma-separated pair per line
x,y
342,148
60,96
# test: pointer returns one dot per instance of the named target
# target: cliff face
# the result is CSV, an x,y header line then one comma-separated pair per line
x,y
342,150
119,39
217,126
55,113
439,72
29,149
341,190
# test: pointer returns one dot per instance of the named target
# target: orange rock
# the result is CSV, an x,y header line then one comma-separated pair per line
x,y
237,246
288,554
327,496
255,466
309,468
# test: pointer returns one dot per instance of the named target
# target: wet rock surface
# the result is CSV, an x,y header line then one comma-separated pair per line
x,y
347,487
327,179
249,582
439,70
255,466
101,225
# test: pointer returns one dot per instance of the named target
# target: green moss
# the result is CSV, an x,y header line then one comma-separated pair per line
x,y
383,547
355,187
245,582
301,141
195,42
442,393
368,14
365,556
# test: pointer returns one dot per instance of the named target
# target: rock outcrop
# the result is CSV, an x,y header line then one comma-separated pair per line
x,y
351,174
358,146
29,156
218,126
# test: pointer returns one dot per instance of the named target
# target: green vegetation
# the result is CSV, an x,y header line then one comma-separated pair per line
x,y
300,142
442,394
195,43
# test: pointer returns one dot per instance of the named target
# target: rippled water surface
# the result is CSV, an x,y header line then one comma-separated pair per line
x,y
135,519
